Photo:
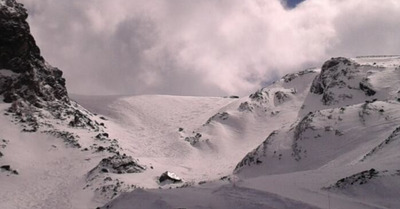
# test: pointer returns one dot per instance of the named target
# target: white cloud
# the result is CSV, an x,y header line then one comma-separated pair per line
x,y
203,47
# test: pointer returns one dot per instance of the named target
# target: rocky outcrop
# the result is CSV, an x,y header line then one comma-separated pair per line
x,y
8,169
221,116
356,179
334,74
394,136
119,164
292,76
24,74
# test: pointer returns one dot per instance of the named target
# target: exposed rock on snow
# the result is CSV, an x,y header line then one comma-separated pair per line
x,y
69,138
341,73
110,187
167,177
119,164
253,157
3,145
358,178
258,101
7,168
367,87
102,136
82,120
394,136
290,77
221,116
193,140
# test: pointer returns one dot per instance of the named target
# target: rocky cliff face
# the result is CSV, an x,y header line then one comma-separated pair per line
x,y
342,79
24,74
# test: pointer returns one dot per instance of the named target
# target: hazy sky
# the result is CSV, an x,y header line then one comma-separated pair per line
x,y
206,47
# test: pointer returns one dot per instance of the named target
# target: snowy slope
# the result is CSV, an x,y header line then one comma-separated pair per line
x,y
50,171
153,129
325,137
198,138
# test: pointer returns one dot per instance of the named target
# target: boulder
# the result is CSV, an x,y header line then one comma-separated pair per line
x,y
169,177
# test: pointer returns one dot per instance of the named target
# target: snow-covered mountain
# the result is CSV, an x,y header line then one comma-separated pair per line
x,y
325,138
319,138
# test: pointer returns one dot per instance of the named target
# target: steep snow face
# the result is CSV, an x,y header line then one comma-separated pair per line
x,y
327,116
323,136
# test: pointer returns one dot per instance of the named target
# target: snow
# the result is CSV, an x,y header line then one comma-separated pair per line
x,y
210,196
298,148
50,176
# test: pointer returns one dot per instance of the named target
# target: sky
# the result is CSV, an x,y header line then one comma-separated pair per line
x,y
203,48
292,3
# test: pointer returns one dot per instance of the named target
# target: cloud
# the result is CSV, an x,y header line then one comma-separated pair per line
x,y
203,47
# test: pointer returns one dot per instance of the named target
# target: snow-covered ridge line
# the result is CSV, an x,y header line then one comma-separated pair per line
x,y
378,56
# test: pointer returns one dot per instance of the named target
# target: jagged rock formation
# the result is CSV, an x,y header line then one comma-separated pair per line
x,y
340,79
24,74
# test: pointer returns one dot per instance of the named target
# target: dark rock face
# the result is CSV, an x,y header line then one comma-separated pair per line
x,y
28,76
17,45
